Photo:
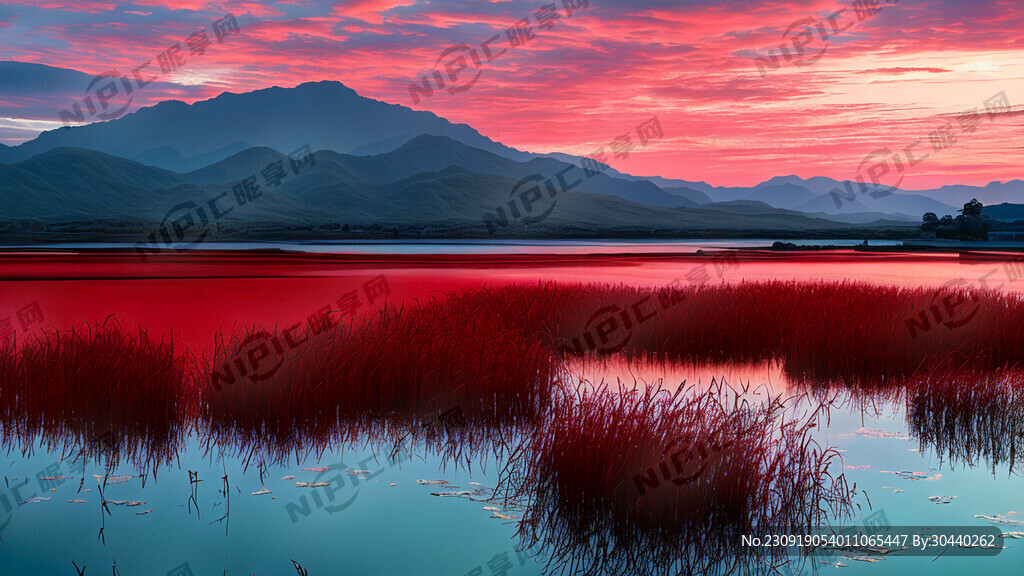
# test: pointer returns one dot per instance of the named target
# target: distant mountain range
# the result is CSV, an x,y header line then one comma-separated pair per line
x,y
1006,212
397,189
380,165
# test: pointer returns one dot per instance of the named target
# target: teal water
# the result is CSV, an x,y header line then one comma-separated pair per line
x,y
364,525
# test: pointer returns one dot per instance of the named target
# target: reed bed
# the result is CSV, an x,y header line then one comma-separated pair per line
x,y
635,481
493,355
111,392
632,481
642,482
829,331
969,417
415,367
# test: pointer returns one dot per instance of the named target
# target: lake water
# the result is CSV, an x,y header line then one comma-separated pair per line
x,y
382,521
494,246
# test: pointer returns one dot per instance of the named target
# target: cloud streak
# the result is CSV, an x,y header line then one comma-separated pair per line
x,y
883,82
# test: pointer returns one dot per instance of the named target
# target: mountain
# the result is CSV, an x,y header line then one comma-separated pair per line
x,y
695,196
101,195
1005,211
428,153
992,193
73,183
785,196
663,183
31,80
183,137
954,196
902,205
813,196
374,141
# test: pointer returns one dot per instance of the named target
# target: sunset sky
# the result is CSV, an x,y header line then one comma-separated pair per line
x,y
885,80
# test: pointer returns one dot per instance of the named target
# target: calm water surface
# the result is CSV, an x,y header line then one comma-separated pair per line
x,y
382,521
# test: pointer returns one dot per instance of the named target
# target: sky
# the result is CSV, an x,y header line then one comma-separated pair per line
x,y
911,77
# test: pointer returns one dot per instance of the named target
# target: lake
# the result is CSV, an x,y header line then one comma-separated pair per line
x,y
373,517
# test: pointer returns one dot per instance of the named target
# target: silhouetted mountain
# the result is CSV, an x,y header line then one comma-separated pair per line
x,y
903,205
813,196
786,196
372,142
992,193
1005,211
695,196
325,115
171,157
427,153
235,168
660,182
72,183
100,193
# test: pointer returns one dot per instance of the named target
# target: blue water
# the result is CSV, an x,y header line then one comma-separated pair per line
x,y
361,526
367,526
496,246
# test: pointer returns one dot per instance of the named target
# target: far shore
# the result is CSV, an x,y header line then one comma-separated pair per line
x,y
54,263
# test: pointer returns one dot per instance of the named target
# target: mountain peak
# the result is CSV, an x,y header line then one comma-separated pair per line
x,y
430,141
325,115
792,179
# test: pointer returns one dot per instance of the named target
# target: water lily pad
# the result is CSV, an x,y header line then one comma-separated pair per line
x,y
867,558
453,494
1000,519
120,479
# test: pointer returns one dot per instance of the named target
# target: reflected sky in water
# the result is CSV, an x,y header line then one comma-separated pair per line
x,y
368,526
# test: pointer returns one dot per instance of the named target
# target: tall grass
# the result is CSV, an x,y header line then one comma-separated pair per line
x,y
641,482
818,330
113,392
412,367
493,358
969,417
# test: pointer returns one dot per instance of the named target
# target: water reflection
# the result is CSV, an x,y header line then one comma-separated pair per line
x,y
662,475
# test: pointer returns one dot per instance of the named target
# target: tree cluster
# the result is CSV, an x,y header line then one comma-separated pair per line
x,y
969,225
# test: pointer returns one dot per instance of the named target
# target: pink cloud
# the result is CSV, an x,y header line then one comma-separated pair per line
x,y
890,80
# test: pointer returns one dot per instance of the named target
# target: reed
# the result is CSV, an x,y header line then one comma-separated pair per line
x,y
112,392
411,367
969,417
829,331
640,481
491,355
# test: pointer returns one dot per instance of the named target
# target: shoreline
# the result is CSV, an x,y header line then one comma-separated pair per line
x,y
112,264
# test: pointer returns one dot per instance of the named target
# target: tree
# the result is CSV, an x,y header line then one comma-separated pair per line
x,y
930,221
946,220
972,208
971,223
